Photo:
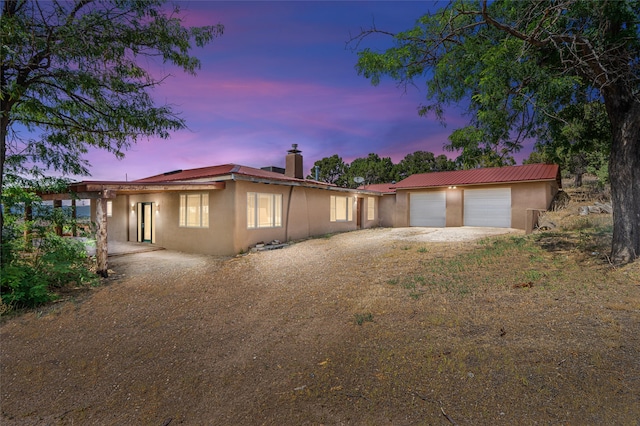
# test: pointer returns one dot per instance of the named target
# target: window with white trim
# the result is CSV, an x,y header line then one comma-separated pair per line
x,y
371,208
194,210
264,210
341,209
109,208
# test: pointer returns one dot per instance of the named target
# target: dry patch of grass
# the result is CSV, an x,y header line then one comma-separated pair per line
x,y
536,329
533,329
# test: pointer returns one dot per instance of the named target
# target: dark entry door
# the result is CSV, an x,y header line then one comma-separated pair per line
x,y
145,222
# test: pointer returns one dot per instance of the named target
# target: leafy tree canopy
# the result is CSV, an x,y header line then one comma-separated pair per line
x,y
77,74
330,169
371,168
374,169
518,66
422,162
579,141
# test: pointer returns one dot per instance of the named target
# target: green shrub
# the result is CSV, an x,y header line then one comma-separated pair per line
x,y
32,269
65,261
22,286
30,277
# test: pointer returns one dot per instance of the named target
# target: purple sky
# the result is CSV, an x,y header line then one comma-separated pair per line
x,y
282,74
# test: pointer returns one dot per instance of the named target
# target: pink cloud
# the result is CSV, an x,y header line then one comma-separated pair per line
x,y
279,75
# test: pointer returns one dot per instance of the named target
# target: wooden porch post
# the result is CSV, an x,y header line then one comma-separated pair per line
x,y
57,204
101,237
28,217
74,216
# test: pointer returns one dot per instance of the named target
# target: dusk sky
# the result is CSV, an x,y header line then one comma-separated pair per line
x,y
282,73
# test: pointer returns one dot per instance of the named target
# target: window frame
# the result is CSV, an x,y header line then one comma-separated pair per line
x,y
255,218
109,208
334,208
371,208
201,212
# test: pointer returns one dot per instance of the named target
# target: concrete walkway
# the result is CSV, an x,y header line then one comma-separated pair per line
x,y
117,248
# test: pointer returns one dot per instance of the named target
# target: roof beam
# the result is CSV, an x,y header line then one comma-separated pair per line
x,y
78,195
91,190
146,187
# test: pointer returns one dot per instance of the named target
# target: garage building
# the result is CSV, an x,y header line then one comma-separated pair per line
x,y
506,197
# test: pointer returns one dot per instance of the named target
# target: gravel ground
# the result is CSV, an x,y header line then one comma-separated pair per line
x,y
169,334
445,235
264,338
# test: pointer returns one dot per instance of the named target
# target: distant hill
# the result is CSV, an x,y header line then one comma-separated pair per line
x,y
83,211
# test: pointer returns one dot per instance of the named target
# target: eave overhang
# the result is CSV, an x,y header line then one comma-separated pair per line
x,y
85,190
301,183
465,185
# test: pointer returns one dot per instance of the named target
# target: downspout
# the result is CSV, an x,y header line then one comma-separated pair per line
x,y
128,217
286,226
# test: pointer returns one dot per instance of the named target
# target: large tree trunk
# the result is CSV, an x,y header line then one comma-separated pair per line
x,y
624,172
5,107
578,179
4,126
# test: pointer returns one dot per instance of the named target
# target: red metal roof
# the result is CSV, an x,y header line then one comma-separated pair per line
x,y
527,172
385,188
213,172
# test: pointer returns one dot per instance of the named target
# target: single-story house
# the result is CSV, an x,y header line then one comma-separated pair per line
x,y
226,209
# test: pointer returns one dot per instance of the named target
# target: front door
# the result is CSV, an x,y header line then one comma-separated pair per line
x,y
145,222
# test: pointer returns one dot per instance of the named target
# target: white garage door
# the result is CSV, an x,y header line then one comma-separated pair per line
x,y
428,209
487,207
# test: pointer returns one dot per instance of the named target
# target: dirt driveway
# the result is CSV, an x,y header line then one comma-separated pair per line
x,y
445,235
309,334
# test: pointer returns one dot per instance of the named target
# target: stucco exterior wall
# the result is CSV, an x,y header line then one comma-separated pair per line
x,y
531,195
117,222
217,239
296,215
305,213
319,207
243,237
386,210
402,209
366,223
455,210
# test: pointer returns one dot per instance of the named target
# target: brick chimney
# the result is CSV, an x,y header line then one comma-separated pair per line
x,y
293,167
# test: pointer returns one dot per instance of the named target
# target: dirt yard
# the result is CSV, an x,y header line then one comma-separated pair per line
x,y
381,326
